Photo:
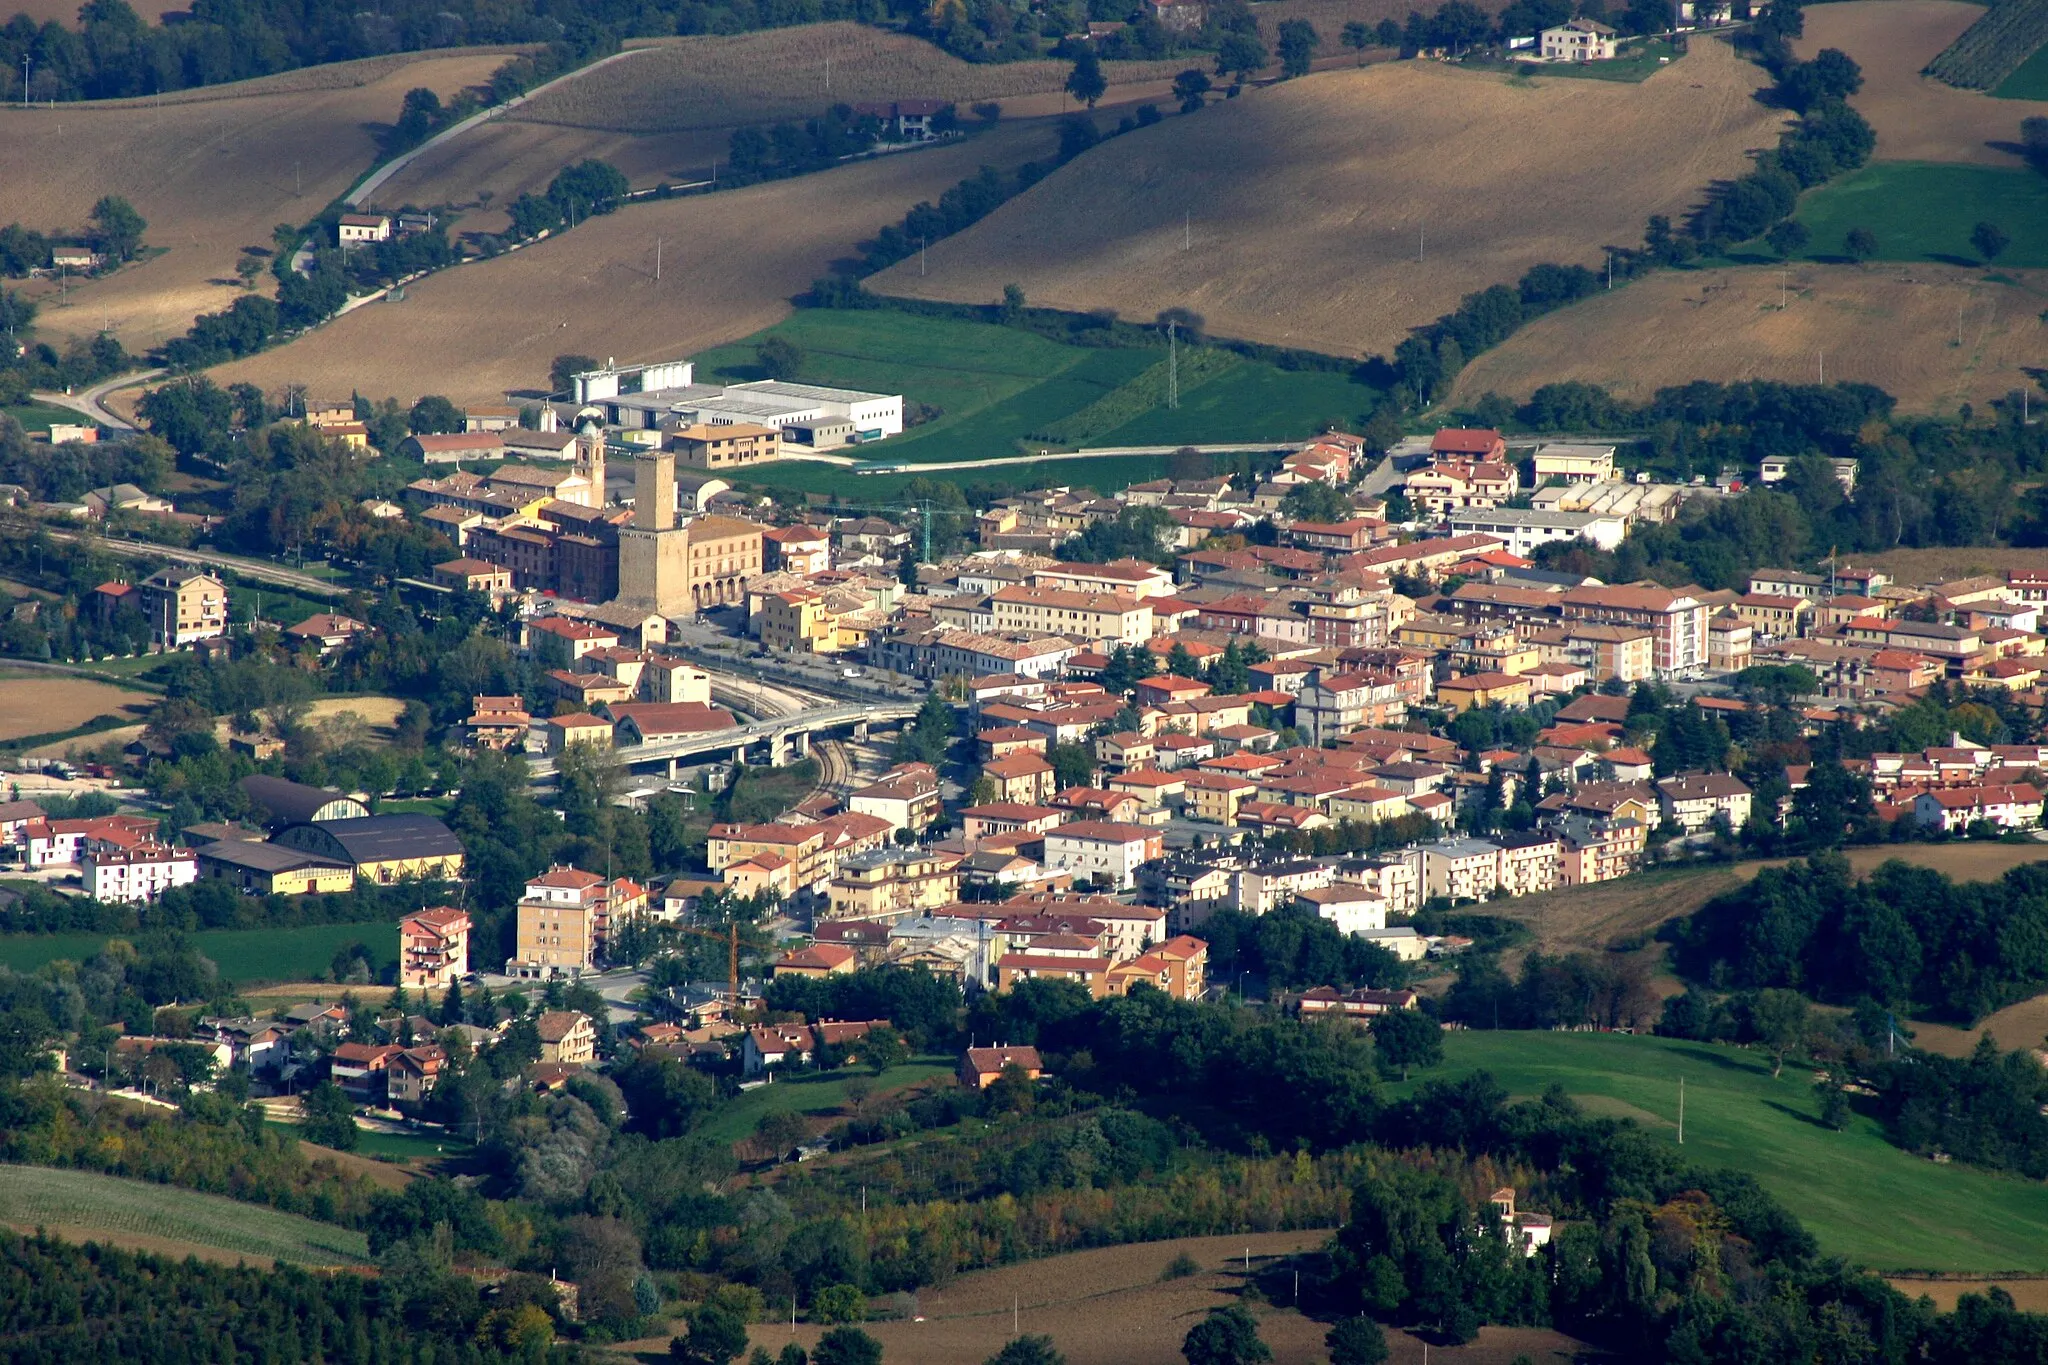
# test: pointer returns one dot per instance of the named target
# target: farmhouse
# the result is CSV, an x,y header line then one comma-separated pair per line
x,y
1579,40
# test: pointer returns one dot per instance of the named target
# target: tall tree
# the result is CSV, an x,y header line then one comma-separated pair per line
x,y
1086,82
117,227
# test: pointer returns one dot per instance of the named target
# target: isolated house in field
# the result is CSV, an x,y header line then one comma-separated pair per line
x,y
1579,40
357,228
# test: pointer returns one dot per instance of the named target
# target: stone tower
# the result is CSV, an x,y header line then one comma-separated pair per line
x,y
654,553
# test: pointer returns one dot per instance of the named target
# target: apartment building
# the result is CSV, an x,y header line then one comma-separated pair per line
x,y
1102,850
1058,611
183,606
1334,704
1462,869
1676,619
138,874
433,947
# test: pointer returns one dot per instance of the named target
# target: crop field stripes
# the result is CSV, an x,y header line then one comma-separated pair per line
x,y
1994,47
77,1204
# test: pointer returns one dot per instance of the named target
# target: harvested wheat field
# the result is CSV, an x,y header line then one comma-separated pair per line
x,y
775,74
1109,1307
65,12
212,170
1938,563
730,263
1888,325
2016,1026
1592,918
2028,1295
41,705
1916,117
484,170
1306,198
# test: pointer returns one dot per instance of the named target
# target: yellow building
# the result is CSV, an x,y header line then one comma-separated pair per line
x,y
797,622
1483,689
258,869
1215,797
381,848
893,882
725,446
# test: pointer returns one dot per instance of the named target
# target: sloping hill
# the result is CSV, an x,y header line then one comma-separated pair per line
x,y
213,170
84,1205
730,263
1888,325
1303,203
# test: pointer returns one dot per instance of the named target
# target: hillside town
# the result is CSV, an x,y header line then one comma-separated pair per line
x,y
1357,687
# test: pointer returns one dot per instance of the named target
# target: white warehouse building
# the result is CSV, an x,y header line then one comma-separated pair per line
x,y
806,414
1524,530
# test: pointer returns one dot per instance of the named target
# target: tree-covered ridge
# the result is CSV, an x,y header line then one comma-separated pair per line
x,y
66,1304
1904,936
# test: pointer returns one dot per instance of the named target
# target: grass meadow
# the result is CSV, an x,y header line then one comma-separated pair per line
x,y
37,417
819,1094
1925,211
995,387
79,1204
2030,82
1863,1198
244,956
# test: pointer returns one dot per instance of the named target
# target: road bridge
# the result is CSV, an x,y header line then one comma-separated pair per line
x,y
781,735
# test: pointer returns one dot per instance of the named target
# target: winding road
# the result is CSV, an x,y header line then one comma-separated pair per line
x,y
90,402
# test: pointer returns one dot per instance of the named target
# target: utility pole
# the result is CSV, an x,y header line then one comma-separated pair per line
x,y
1681,1111
1421,238
1610,267
1187,231
27,60
920,255
1172,365
657,260
1823,368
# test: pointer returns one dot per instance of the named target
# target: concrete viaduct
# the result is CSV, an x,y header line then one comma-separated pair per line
x,y
777,732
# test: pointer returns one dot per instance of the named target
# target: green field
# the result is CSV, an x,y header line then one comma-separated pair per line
x,y
78,1203
1924,211
2030,82
816,1093
1865,1199
246,957
995,387
36,417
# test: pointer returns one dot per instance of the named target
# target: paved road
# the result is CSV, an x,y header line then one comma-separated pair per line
x,y
255,569
356,197
89,403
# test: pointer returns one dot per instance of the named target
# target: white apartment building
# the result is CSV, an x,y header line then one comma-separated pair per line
x,y
138,874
